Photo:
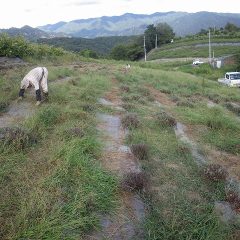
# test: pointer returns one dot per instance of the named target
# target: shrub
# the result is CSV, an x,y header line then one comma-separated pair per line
x,y
130,121
185,103
19,47
233,199
75,132
164,119
215,172
233,107
88,108
125,88
133,181
140,151
16,138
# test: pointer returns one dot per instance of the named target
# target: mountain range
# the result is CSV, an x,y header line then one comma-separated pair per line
x,y
128,24
31,34
183,23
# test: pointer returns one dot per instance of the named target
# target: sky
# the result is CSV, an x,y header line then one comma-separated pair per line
x,y
17,13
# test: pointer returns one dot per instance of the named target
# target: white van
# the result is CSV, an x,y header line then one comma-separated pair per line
x,y
231,79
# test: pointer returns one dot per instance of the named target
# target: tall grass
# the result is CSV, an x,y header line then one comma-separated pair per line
x,y
56,188
180,200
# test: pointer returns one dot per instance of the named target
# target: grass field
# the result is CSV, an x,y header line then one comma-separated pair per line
x,y
52,185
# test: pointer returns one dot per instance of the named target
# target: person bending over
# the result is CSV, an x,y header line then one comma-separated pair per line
x,y
38,78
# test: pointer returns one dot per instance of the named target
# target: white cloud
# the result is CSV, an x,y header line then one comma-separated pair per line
x,y
35,13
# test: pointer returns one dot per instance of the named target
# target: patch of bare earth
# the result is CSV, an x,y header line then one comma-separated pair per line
x,y
229,161
162,98
118,159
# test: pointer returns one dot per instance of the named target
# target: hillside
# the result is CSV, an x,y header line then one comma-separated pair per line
x,y
101,45
143,153
198,48
183,23
146,152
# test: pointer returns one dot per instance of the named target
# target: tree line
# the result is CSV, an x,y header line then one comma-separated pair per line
x,y
160,34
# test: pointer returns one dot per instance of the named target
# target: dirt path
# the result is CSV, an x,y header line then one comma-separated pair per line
x,y
118,159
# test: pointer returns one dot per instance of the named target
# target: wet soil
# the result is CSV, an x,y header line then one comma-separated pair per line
x,y
117,158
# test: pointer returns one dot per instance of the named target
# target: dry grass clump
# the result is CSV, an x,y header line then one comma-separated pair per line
x,y
88,108
186,103
128,106
130,120
73,82
133,181
166,91
165,119
16,138
216,98
144,92
215,172
183,149
140,151
75,132
233,199
125,88
233,107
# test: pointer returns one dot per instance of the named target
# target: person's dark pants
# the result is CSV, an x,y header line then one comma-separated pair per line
x,y
21,93
38,95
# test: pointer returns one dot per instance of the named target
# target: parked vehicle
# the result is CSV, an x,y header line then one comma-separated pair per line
x,y
231,79
197,62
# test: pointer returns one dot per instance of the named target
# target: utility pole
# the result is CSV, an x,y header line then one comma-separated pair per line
x,y
210,55
144,46
156,41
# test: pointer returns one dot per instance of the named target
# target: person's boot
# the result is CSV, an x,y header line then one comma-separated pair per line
x,y
21,94
38,97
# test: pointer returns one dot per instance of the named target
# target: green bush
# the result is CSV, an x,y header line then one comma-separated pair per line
x,y
19,47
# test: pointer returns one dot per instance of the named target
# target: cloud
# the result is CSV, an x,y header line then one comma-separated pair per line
x,y
28,10
82,3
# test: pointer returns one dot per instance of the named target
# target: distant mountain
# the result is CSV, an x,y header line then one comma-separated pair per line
x,y
30,33
183,23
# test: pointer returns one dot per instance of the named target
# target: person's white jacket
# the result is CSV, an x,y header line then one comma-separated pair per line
x,y
37,77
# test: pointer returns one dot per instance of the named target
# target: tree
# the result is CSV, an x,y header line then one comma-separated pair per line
x,y
130,52
230,27
203,32
134,52
119,52
88,53
165,33
150,37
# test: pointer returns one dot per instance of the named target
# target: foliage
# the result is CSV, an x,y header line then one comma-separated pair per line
x,y
88,53
19,47
165,33
150,37
127,52
162,31
230,27
14,47
100,45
